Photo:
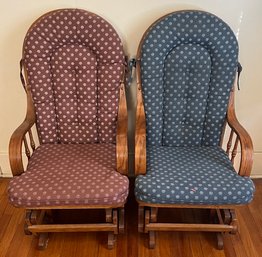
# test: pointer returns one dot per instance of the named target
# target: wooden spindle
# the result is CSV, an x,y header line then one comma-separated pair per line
x,y
27,151
141,219
109,216
234,152
147,219
32,142
140,127
153,214
229,143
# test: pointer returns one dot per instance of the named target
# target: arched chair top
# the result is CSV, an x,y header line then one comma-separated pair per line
x,y
73,27
188,61
74,61
187,26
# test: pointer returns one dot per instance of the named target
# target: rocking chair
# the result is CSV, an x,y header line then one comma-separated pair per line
x,y
73,72
186,67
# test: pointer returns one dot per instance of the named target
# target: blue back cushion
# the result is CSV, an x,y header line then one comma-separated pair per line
x,y
188,64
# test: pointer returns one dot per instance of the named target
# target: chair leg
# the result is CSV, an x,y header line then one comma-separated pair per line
x,y
32,217
121,213
26,231
212,216
152,239
111,240
112,217
27,222
109,217
141,219
43,241
35,217
151,216
220,241
233,221
227,217
147,219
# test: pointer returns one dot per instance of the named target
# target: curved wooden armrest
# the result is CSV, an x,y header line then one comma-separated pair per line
x,y
15,147
121,135
17,138
244,138
140,131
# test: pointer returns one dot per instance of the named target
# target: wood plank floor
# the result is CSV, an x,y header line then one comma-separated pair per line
x,y
246,243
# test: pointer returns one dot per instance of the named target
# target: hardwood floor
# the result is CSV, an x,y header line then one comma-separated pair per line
x,y
246,243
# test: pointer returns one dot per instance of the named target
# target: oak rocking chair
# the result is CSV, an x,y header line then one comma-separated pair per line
x,y
73,72
186,68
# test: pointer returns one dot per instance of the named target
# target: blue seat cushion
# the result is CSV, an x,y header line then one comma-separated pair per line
x,y
191,175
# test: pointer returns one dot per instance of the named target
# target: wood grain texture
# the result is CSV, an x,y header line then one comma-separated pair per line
x,y
246,144
72,227
245,243
237,132
42,222
23,135
121,133
140,128
18,137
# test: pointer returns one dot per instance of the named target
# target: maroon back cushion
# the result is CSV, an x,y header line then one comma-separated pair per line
x,y
74,61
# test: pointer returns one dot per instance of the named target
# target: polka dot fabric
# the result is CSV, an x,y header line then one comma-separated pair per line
x,y
191,175
74,61
188,65
70,174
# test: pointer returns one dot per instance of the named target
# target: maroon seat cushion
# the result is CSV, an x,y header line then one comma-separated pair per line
x,y
70,174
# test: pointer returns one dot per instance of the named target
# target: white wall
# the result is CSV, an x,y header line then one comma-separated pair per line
x,y
131,18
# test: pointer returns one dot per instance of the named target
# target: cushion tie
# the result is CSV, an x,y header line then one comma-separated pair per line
x,y
239,69
21,73
131,66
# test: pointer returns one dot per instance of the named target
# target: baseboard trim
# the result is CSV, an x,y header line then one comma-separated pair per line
x,y
5,170
6,175
256,176
9,175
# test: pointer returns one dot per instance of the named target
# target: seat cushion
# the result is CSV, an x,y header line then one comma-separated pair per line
x,y
70,174
191,175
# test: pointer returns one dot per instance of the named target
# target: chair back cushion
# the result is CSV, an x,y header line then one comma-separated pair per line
x,y
188,64
74,61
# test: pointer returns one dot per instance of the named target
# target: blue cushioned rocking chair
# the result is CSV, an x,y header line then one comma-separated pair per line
x,y
187,63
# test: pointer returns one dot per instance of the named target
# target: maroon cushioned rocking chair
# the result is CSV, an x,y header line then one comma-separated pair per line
x,y
74,72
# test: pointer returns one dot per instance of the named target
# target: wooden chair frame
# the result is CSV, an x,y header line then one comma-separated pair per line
x,y
224,216
39,220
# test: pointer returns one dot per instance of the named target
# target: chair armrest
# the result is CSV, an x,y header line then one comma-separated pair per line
x,y
246,144
121,133
140,130
18,137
